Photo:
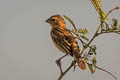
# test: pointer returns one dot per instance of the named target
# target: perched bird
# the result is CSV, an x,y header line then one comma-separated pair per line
x,y
64,40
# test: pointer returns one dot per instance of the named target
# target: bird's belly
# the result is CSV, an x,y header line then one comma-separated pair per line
x,y
60,48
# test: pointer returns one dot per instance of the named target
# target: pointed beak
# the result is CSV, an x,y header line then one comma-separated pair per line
x,y
48,20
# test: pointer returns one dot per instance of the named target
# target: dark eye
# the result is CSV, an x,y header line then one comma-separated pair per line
x,y
53,19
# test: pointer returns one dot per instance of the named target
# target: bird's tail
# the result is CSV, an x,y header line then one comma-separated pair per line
x,y
80,61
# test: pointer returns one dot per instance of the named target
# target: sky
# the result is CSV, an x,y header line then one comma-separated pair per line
x,y
27,51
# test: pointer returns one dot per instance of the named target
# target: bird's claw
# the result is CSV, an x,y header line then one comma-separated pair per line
x,y
74,64
58,62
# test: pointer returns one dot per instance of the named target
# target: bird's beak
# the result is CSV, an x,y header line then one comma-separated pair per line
x,y
48,20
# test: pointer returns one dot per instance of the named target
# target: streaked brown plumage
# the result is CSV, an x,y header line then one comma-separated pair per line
x,y
63,38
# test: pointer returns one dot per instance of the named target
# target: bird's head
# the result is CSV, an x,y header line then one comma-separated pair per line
x,y
56,21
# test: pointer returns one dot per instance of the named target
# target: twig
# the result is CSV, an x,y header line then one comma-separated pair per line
x,y
72,64
106,71
117,32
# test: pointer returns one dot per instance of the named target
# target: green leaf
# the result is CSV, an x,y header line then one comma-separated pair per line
x,y
83,30
111,29
73,31
114,23
101,15
91,68
94,61
107,26
97,3
84,37
102,29
93,49
119,27
67,18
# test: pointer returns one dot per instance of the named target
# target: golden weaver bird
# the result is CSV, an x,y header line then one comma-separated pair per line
x,y
64,40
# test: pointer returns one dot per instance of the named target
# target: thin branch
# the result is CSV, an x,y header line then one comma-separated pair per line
x,y
106,71
72,64
117,32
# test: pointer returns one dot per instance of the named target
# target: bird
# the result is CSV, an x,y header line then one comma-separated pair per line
x,y
64,40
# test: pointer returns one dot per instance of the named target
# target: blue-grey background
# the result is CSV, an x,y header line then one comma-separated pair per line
x,y
27,51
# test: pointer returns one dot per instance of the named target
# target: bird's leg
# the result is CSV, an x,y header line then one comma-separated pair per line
x,y
74,64
58,62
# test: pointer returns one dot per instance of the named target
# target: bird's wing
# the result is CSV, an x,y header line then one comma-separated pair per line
x,y
62,40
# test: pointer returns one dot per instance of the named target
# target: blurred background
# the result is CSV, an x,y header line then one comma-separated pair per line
x,y
27,51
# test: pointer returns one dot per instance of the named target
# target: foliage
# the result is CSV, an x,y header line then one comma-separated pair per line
x,y
81,34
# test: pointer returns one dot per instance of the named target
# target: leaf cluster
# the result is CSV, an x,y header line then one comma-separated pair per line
x,y
114,27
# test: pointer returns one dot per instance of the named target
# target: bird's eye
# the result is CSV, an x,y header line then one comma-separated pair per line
x,y
53,19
